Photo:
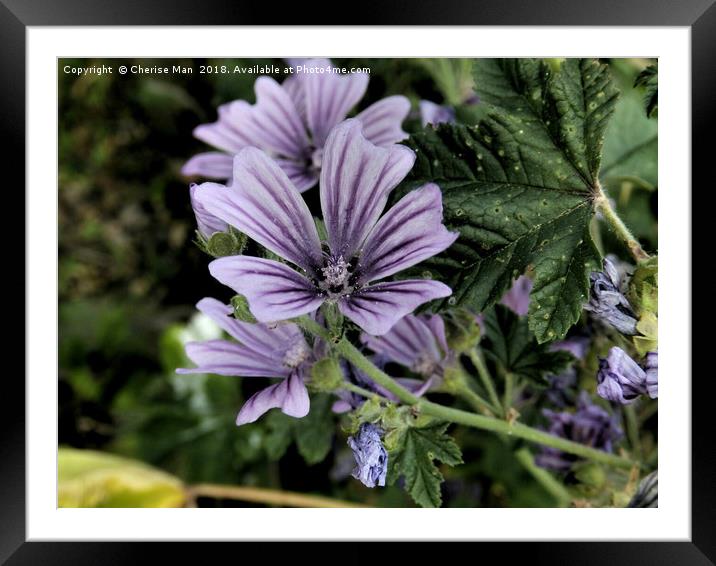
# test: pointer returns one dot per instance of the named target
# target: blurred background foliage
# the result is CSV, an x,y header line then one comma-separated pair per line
x,y
129,275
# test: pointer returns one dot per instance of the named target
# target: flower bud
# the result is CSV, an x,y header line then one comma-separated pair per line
x,y
620,379
370,455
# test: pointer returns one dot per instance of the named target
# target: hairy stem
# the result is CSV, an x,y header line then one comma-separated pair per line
x,y
265,496
601,203
485,377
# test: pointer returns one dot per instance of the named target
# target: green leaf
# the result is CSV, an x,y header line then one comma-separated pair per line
x,y
412,457
314,432
519,187
511,344
649,79
94,479
630,147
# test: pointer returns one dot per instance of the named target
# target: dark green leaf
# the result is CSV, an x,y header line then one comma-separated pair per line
x,y
649,79
519,187
511,344
413,458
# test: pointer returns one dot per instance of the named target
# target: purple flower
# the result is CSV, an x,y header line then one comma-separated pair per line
x,y
291,122
517,299
259,351
431,113
608,303
370,455
418,343
206,223
651,367
362,247
589,425
578,346
620,379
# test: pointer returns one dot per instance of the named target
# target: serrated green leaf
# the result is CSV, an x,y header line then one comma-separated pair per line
x,y
519,186
413,457
511,344
649,79
314,432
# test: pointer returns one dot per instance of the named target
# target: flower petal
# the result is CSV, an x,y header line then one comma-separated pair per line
x,y
290,395
378,307
329,97
228,358
407,234
405,343
271,341
301,177
262,203
382,120
356,179
213,165
274,291
431,113
272,124
206,222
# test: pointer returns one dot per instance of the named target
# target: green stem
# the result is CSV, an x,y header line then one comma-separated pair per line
x,y
509,385
522,431
601,203
360,390
475,400
354,356
485,377
543,477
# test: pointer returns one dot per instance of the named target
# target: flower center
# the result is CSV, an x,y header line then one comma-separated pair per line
x,y
296,354
425,365
317,158
337,277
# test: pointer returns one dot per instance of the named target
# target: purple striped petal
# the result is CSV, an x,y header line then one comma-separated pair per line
x,y
356,179
289,395
272,124
228,358
206,223
264,204
378,307
382,120
270,341
406,342
302,177
294,88
212,165
273,290
329,97
407,234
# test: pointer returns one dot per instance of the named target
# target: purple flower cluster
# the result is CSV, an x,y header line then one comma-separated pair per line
x,y
589,424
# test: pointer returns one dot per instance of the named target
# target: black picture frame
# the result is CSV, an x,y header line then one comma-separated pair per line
x,y
16,15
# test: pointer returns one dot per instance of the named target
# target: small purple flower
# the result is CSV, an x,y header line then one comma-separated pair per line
x,y
431,113
370,455
651,367
589,425
291,122
578,346
418,343
356,179
607,301
206,223
620,379
259,351
517,299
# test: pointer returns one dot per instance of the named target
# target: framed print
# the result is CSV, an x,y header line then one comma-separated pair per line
x,y
357,281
